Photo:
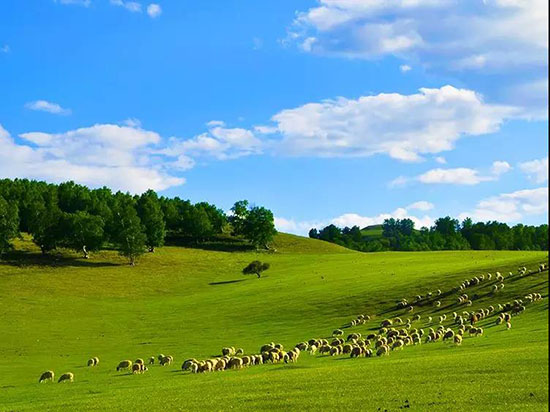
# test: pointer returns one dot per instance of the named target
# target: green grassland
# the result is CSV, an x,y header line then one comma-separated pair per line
x,y
55,313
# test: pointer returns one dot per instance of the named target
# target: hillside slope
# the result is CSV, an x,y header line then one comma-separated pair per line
x,y
191,303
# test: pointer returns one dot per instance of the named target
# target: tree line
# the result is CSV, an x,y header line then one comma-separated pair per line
x,y
446,234
72,216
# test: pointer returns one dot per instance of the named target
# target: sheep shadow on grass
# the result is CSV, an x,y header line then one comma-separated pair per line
x,y
227,282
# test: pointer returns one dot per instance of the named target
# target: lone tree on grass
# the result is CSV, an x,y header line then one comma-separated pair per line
x,y
256,267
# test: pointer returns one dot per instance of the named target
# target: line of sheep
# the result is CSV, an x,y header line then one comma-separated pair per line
x,y
388,338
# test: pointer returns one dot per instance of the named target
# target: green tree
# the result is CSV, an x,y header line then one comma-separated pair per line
x,y
239,214
259,227
9,224
255,268
130,237
150,212
84,232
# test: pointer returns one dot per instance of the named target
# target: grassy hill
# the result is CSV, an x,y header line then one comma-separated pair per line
x,y
57,313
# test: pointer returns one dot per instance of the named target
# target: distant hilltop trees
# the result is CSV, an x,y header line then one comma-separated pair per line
x,y
446,234
73,216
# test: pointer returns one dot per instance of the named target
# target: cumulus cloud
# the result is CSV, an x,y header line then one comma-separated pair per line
x,y
154,10
405,68
49,107
456,176
511,207
103,154
354,219
402,126
536,170
219,142
440,160
460,35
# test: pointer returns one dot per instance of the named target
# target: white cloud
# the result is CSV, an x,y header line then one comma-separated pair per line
x,y
511,207
460,35
536,170
402,126
440,160
421,205
45,106
154,10
456,176
500,167
104,154
131,6
132,122
405,68
218,142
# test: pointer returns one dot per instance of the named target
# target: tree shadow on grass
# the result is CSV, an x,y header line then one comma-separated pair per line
x,y
227,282
21,258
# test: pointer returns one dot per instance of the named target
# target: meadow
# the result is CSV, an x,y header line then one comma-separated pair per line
x,y
56,313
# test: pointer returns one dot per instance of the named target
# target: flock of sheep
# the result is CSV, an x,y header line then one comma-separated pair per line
x,y
392,334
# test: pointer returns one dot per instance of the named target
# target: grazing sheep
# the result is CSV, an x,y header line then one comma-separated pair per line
x,y
91,362
508,325
139,361
46,376
335,350
125,364
356,351
448,334
152,360
274,356
386,323
220,365
302,345
194,367
235,363
266,348
410,308
338,332
312,349
160,356
383,350
166,360
136,368
66,377
239,351
228,351
457,339
186,365
398,344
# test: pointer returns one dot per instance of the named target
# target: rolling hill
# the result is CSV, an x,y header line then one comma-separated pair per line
x,y
58,312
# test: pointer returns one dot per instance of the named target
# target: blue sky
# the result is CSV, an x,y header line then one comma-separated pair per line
x,y
330,111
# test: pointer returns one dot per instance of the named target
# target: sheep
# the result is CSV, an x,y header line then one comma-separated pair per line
x,y
91,362
220,365
458,339
335,350
186,365
125,364
152,360
139,361
508,325
228,351
235,363
448,334
166,360
136,368
398,344
302,345
312,349
47,376
194,367
246,360
356,351
66,377
239,351
501,286
160,356
274,357
383,350
337,341
410,308
386,323
337,332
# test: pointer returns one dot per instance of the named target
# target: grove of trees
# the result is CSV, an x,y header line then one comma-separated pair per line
x,y
446,234
73,216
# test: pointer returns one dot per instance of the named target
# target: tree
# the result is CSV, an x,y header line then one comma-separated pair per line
x,y
45,221
9,224
152,218
129,234
313,233
259,227
84,232
239,214
255,268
